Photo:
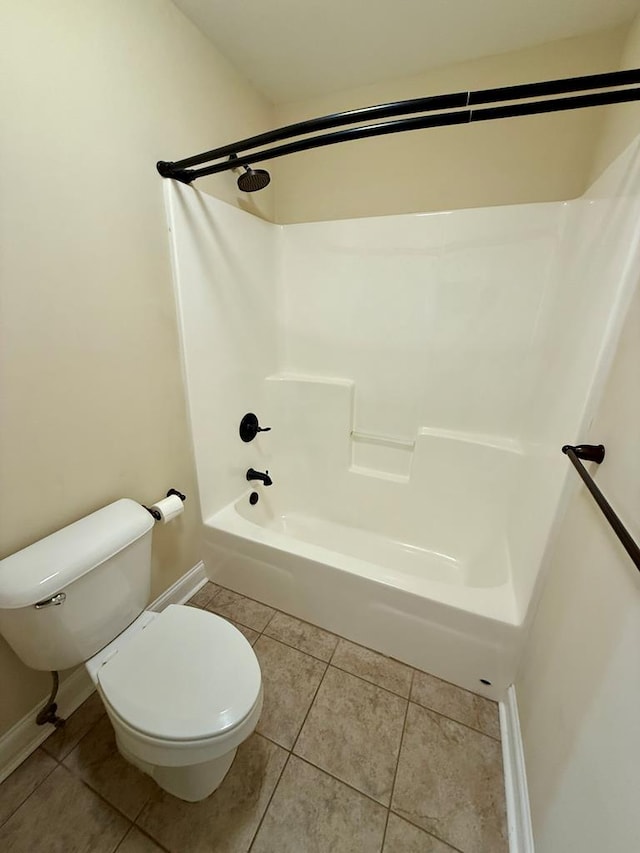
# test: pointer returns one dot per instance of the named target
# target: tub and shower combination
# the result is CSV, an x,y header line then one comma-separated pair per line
x,y
447,609
414,564
420,375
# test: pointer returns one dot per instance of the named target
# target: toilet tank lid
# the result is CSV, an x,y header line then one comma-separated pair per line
x,y
51,564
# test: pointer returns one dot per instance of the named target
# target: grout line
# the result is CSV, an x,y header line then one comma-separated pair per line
x,y
122,840
147,835
270,619
311,704
100,797
86,734
303,621
191,603
375,683
75,772
323,769
395,774
326,667
207,607
426,831
453,720
271,740
295,648
284,613
457,687
31,793
382,655
342,781
335,649
405,816
228,618
273,793
151,792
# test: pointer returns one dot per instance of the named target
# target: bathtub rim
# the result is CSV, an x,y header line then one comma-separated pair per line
x,y
496,603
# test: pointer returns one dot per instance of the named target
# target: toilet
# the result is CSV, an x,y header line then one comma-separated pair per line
x,y
182,688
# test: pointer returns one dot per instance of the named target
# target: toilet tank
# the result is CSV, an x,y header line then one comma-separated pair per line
x,y
65,597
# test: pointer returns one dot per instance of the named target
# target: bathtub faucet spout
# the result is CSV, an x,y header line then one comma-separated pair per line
x,y
258,475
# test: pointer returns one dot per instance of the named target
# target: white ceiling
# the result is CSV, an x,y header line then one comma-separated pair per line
x,y
295,49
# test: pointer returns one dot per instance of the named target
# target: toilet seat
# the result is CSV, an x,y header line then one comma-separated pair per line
x,y
189,676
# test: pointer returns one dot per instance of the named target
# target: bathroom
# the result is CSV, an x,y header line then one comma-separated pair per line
x,y
112,391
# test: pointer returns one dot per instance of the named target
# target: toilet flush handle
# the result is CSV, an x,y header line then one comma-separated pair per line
x,y
54,601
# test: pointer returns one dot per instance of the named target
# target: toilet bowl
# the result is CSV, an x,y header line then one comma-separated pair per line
x,y
183,690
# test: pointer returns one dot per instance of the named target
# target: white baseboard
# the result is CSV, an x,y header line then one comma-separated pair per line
x,y
182,589
515,777
26,735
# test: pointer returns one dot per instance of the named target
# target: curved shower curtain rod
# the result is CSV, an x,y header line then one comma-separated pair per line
x,y
462,104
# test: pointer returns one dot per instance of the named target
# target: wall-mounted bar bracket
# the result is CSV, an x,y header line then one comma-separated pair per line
x,y
169,170
588,452
595,453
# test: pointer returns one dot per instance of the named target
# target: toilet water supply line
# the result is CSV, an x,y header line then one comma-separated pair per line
x,y
48,713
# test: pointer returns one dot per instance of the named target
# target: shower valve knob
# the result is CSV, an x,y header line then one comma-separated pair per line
x,y
249,427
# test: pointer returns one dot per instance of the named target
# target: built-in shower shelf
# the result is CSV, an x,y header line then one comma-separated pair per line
x,y
389,440
387,457
393,457
380,475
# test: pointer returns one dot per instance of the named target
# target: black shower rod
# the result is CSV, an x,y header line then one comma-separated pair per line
x,y
596,453
462,103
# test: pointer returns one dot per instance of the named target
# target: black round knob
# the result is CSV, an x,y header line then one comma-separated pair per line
x,y
249,427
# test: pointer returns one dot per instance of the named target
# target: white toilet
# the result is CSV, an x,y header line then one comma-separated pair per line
x,y
182,688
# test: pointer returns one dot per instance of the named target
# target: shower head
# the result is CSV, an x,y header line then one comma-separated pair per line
x,y
253,180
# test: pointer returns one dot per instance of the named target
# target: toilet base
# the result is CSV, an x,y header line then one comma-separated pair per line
x,y
191,783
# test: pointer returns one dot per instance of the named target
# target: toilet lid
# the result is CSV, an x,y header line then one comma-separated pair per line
x,y
188,675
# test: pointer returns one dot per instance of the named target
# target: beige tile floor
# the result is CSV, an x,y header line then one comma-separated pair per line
x,y
354,753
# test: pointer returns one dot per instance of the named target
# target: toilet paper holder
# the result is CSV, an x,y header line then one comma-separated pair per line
x,y
155,513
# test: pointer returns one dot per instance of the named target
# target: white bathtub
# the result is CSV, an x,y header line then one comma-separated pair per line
x,y
448,615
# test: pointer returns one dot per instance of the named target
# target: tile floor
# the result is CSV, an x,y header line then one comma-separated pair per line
x,y
354,753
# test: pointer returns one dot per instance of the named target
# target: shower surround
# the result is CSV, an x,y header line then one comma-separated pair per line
x,y
420,374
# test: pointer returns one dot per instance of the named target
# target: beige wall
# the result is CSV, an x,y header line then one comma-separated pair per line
x,y
92,405
579,684
538,158
622,123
